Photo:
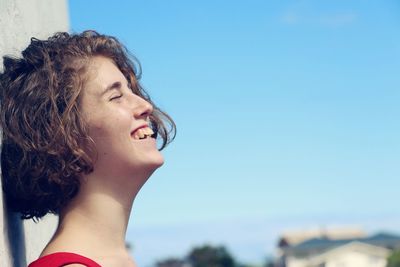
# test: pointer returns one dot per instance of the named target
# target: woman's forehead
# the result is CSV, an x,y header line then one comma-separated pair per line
x,y
102,73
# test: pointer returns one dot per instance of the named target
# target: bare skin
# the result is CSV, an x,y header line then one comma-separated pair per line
x,y
94,223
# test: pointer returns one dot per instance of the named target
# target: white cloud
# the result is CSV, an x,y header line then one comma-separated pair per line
x,y
339,19
297,16
290,18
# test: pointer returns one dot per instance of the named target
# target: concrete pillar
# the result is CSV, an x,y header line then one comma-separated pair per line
x,y
22,242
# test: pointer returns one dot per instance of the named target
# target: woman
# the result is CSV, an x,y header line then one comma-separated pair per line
x,y
78,141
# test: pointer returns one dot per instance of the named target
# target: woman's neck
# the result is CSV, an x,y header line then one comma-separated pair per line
x,y
95,222
98,219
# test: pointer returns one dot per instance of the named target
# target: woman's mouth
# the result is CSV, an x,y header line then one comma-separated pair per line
x,y
142,133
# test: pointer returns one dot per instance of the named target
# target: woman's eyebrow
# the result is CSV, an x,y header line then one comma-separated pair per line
x,y
115,85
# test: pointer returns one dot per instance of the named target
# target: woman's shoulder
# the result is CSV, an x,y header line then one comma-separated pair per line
x,y
69,259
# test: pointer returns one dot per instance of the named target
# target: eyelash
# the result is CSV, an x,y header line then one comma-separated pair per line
x,y
116,97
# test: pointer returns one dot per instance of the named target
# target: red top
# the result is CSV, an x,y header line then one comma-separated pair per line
x,y
59,259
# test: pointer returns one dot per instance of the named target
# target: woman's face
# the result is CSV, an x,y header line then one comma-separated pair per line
x,y
118,122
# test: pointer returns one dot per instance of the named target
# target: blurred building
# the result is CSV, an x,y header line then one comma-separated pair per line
x,y
292,238
325,248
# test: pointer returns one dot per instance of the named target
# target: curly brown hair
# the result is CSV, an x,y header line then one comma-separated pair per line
x,y
43,133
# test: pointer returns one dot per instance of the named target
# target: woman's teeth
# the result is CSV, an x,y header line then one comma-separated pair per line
x,y
143,133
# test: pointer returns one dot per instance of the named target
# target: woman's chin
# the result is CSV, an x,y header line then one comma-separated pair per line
x,y
159,162
155,162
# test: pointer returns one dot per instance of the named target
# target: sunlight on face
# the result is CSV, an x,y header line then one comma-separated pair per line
x,y
118,122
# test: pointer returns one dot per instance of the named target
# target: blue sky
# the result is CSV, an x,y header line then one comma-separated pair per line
x,y
287,114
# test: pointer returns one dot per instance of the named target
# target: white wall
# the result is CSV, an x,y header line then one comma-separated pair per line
x,y
346,258
355,258
297,262
20,243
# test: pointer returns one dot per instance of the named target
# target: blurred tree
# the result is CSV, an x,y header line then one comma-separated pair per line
x,y
172,262
269,262
394,259
128,246
209,256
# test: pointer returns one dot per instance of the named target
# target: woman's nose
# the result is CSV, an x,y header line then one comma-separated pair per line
x,y
143,108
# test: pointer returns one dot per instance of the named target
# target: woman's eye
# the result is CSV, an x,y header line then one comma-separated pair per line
x,y
115,97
